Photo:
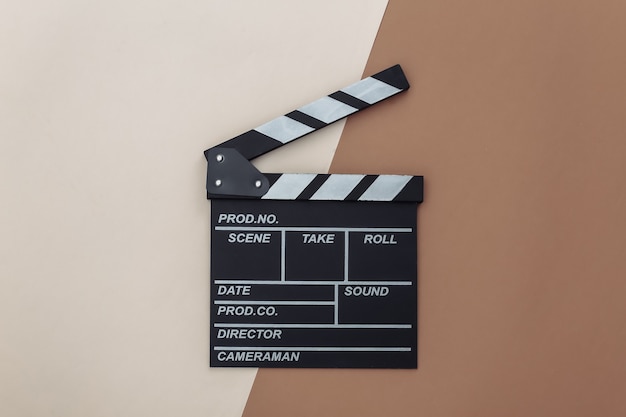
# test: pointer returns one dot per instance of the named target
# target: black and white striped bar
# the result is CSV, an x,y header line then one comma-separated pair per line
x,y
345,187
319,113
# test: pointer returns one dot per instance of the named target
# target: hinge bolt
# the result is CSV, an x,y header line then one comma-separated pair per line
x,y
218,183
219,157
258,183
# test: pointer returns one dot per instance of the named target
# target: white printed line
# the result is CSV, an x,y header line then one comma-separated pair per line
x,y
312,326
336,303
276,303
317,229
282,255
312,349
266,282
346,255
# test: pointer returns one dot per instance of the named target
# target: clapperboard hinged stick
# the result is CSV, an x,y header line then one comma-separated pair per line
x,y
312,270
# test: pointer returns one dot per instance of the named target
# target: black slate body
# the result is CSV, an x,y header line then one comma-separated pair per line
x,y
313,284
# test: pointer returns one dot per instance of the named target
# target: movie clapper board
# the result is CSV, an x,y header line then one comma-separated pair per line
x,y
312,270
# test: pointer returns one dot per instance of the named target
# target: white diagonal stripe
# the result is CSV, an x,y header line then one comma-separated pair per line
x,y
284,129
371,90
337,187
385,188
288,186
327,109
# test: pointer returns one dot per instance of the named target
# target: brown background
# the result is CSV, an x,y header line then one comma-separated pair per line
x,y
516,120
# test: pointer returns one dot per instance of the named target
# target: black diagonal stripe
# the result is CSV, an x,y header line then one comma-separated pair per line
x,y
393,76
412,191
313,187
272,178
349,100
303,118
251,144
363,185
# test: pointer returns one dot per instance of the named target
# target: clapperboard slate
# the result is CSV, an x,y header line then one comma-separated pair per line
x,y
312,270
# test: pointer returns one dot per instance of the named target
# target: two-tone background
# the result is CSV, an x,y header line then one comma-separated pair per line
x,y
515,118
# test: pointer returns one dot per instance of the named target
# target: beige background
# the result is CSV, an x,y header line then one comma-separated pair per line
x,y
105,109
516,118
